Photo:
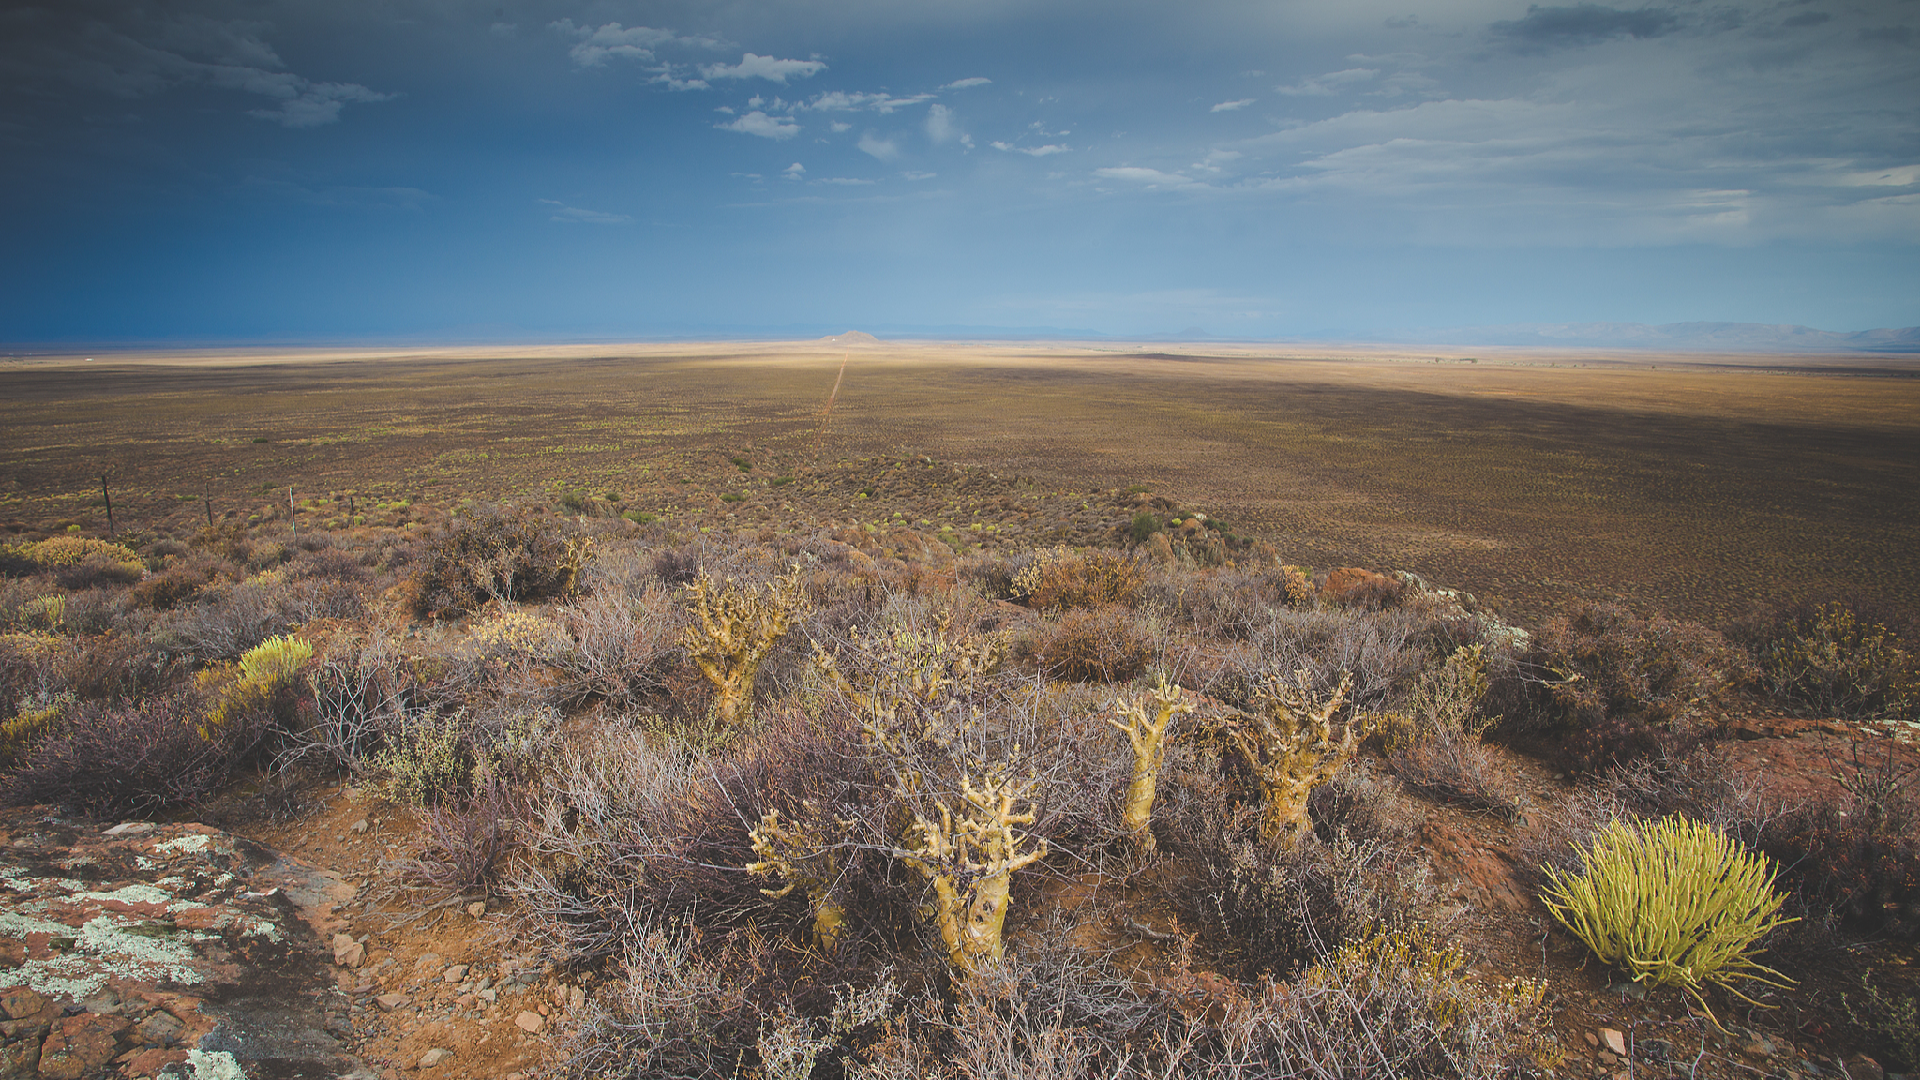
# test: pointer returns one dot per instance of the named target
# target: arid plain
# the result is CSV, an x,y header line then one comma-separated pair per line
x,y
1693,483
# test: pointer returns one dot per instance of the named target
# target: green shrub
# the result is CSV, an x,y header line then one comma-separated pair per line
x,y
1144,525
1834,662
1672,903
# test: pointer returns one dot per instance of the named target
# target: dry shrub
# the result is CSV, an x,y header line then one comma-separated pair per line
x,y
1832,661
1060,580
174,586
1091,644
1366,805
1384,652
1620,687
463,843
494,554
1267,906
138,759
1857,855
361,686
1392,1002
624,645
228,620
1363,589
1461,769
1436,747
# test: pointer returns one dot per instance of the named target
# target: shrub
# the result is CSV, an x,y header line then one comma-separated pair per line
x,y
1061,579
623,646
1091,644
1857,855
1144,525
504,555
463,842
1436,747
73,551
172,587
1619,687
1831,661
137,759
1396,1002
1672,903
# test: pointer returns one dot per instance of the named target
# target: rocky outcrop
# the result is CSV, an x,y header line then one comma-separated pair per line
x,y
148,950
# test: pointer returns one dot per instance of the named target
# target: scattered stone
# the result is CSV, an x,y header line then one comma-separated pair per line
x,y
455,973
79,1045
360,826
1862,1067
13,952
131,828
151,1061
20,1058
530,1022
1592,1039
347,952
20,1003
477,909
1615,1041
434,1057
390,1002
160,1028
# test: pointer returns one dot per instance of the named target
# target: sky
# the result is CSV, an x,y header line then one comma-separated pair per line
x,y
346,170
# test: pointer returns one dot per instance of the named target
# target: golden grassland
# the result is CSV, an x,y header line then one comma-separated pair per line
x,y
1696,483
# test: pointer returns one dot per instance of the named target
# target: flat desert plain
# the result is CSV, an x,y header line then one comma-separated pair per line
x,y
1693,483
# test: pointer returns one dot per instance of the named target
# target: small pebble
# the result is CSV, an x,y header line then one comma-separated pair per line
x,y
530,1022
477,909
434,1057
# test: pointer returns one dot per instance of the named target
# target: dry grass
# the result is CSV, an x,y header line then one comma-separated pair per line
x,y
1696,486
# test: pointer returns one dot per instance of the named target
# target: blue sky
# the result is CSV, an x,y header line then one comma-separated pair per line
x,y
367,169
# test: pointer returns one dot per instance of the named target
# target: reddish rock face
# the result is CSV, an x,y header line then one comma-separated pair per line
x,y
157,938
1350,583
81,1044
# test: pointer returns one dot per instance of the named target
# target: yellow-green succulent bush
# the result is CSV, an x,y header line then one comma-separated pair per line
x,y
1673,902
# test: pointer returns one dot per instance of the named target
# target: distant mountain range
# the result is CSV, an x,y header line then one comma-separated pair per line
x,y
1731,337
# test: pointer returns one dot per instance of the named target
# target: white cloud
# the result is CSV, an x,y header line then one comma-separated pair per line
x,y
919,175
963,84
759,123
795,171
1149,177
840,125
674,82
318,103
1328,85
574,215
939,125
1230,106
884,149
755,66
840,101
593,44
845,181
1032,151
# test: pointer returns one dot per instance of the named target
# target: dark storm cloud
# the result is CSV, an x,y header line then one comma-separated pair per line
x,y
125,51
1583,24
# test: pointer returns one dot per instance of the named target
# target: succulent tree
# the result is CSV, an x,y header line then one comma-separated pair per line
x,y
734,628
1290,745
1148,737
968,855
